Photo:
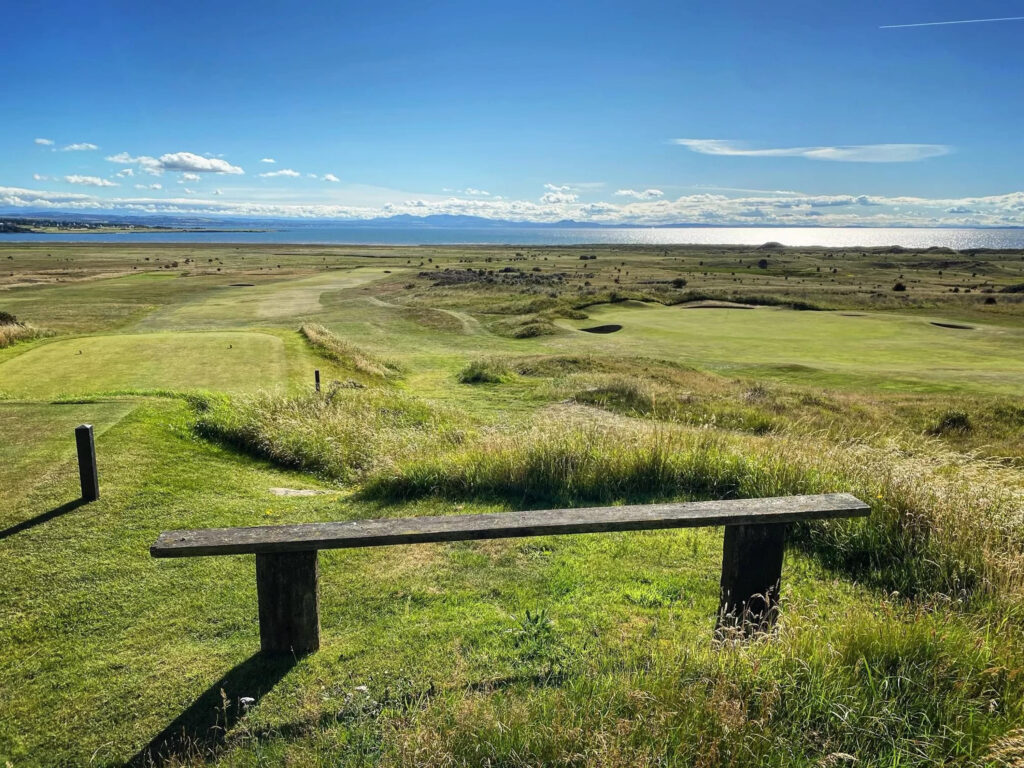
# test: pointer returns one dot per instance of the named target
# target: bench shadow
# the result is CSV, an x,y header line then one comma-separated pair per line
x,y
24,525
200,731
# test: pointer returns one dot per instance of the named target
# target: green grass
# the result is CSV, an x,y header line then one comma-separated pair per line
x,y
899,642
908,352
230,361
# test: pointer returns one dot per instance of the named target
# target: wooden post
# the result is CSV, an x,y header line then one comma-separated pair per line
x,y
316,377
751,575
289,602
87,473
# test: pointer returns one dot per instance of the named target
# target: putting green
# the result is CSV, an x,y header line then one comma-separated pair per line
x,y
900,348
231,361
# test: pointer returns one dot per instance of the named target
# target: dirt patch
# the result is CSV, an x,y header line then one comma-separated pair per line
x,y
852,314
602,329
957,326
242,285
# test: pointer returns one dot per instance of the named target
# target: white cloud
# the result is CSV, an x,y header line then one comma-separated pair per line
x,y
126,172
217,192
645,194
189,191
44,142
282,172
558,194
312,176
331,177
149,186
186,161
476,192
857,153
89,181
268,160
83,146
176,161
40,177
190,177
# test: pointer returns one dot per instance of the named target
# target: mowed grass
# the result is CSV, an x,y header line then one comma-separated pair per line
x,y
38,439
893,351
229,361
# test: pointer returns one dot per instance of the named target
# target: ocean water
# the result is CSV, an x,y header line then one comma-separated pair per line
x,y
837,237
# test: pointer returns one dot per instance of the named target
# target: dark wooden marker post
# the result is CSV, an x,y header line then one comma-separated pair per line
x,y
316,378
751,573
87,462
289,601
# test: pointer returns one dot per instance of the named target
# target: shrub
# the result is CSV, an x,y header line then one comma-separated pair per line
x,y
899,287
952,421
485,371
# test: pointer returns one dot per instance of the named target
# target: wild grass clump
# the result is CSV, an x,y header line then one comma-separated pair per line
x,y
347,354
338,436
485,371
578,465
12,330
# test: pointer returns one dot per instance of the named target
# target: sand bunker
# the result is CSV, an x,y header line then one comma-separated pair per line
x,y
954,325
602,329
712,304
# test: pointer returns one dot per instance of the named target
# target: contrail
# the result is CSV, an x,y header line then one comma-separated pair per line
x,y
944,23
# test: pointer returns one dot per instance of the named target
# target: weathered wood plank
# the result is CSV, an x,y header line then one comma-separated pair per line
x,y
548,522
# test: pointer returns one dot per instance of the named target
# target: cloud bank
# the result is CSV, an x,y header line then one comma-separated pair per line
x,y
556,204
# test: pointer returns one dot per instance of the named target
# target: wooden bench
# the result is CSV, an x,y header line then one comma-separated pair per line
x,y
287,571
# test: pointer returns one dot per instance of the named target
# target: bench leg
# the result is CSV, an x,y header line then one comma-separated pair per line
x,y
289,602
751,572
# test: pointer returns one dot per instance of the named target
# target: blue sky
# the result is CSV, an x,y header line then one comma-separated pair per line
x,y
732,112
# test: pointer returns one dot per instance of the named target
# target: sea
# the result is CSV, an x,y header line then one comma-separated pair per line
x,y
833,237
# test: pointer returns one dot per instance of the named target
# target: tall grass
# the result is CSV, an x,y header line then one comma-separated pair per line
x,y
13,332
339,436
940,522
931,529
346,353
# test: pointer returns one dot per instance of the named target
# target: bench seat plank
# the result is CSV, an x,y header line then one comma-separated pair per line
x,y
417,530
